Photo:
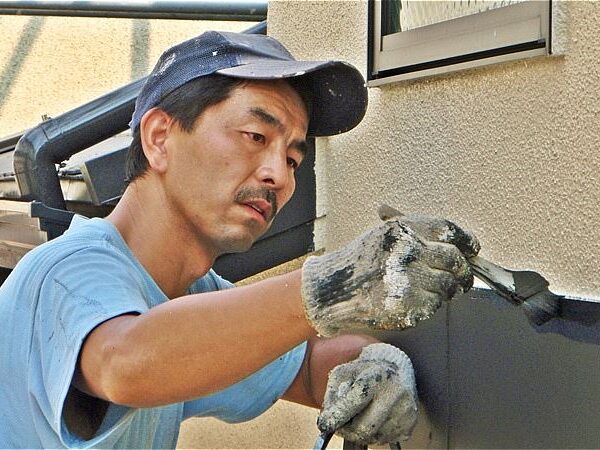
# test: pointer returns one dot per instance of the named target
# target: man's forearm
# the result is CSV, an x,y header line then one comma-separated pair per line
x,y
195,345
323,354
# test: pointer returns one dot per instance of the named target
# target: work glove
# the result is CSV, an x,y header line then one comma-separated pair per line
x,y
373,399
391,277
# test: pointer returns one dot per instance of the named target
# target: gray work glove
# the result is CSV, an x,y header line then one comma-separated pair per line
x,y
390,277
372,399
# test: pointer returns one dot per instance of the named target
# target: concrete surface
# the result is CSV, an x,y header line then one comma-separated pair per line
x,y
286,425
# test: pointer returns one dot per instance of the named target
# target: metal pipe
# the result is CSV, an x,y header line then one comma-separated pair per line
x,y
59,138
237,10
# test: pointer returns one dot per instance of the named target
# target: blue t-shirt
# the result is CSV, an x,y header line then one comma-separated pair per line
x,y
56,295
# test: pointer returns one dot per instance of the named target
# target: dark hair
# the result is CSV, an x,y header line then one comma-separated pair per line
x,y
185,104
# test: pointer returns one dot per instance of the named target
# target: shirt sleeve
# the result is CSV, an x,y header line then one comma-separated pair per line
x,y
79,293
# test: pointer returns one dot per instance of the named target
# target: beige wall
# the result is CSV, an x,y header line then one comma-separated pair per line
x,y
49,65
510,151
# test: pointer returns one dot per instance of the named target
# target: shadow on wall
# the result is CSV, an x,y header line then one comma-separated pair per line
x,y
140,53
140,49
27,39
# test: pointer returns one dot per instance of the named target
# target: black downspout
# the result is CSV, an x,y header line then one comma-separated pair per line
x,y
57,139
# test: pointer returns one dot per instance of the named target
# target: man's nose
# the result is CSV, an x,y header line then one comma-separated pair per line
x,y
274,171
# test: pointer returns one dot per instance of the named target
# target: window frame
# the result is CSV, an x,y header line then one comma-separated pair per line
x,y
508,33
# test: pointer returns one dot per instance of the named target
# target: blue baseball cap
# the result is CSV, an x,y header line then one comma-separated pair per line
x,y
337,89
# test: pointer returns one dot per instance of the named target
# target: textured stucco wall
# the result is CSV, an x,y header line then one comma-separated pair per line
x,y
510,151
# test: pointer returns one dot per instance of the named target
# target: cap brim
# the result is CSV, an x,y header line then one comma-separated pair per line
x,y
339,94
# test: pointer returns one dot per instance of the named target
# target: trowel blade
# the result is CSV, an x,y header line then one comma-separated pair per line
x,y
515,285
526,288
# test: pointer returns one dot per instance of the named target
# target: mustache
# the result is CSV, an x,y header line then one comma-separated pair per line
x,y
247,193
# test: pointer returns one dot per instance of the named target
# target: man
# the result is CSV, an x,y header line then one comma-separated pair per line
x,y
119,330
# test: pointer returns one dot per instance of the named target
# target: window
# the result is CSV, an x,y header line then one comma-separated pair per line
x,y
415,38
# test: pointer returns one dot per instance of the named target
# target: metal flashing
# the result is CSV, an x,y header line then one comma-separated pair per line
x,y
487,378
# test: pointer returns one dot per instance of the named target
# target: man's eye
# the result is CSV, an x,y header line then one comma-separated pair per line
x,y
257,137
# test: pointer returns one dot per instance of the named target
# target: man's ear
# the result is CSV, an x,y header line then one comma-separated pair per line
x,y
154,130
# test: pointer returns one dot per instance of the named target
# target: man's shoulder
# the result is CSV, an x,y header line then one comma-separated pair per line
x,y
88,243
87,235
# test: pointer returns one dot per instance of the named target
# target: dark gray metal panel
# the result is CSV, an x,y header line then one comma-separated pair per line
x,y
489,379
516,386
427,347
105,176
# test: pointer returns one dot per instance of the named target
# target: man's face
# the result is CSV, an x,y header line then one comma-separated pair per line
x,y
227,178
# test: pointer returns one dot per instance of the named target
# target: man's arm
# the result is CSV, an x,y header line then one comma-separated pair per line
x,y
224,353
322,355
195,345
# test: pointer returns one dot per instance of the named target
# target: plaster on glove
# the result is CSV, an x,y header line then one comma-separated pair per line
x,y
372,399
391,277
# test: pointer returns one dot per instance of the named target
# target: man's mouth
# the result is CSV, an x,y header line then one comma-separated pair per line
x,y
262,207
261,200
